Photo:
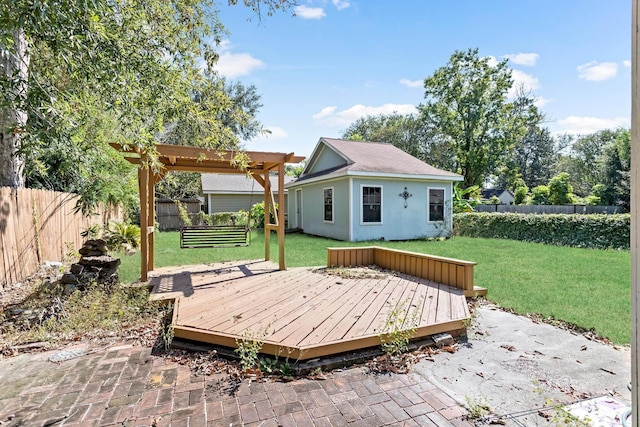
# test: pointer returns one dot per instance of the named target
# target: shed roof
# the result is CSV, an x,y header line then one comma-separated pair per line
x,y
373,158
216,183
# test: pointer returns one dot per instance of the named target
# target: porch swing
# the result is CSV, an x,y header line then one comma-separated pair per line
x,y
217,236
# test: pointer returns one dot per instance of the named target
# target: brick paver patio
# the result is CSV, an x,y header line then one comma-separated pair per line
x,y
127,386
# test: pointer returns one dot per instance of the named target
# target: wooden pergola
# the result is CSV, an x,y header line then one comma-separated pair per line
x,y
196,159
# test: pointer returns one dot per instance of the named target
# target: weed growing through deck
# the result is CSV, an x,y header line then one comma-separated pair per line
x,y
399,328
249,347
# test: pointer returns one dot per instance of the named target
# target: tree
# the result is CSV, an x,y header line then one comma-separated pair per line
x,y
132,64
466,101
540,195
407,132
616,163
179,185
241,105
520,195
535,156
560,190
584,160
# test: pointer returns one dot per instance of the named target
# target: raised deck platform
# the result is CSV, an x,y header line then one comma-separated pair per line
x,y
301,313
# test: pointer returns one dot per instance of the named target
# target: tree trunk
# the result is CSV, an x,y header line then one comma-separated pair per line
x,y
13,118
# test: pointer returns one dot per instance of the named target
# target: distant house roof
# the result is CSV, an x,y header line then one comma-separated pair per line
x,y
213,183
375,158
490,192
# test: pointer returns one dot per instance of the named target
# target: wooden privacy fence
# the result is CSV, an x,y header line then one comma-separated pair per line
x,y
38,226
448,271
168,216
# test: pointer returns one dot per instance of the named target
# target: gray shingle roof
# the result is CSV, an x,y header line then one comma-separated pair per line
x,y
376,157
236,184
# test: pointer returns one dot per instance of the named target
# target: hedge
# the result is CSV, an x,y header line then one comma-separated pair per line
x,y
595,231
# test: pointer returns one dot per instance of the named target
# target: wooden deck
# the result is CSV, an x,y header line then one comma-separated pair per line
x,y
301,313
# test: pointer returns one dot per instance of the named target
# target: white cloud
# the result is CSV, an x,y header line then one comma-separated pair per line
x,y
309,12
329,115
341,4
524,81
585,125
493,61
275,133
411,83
626,63
526,59
597,71
542,101
233,65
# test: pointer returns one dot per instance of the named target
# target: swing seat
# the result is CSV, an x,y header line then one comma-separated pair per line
x,y
213,236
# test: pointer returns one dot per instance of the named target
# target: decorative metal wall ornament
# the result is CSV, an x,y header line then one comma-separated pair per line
x,y
405,195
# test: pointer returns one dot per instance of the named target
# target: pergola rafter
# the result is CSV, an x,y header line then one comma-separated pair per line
x,y
195,159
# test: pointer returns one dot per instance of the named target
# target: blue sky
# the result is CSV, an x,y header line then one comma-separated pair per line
x,y
338,60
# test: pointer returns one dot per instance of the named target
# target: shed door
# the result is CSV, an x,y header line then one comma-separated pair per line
x,y
299,208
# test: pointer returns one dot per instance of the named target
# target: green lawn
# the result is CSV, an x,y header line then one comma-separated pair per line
x,y
588,287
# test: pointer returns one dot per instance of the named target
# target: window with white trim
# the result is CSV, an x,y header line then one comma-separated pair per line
x,y
328,204
371,204
436,204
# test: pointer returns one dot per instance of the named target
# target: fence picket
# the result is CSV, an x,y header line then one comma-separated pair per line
x,y
36,225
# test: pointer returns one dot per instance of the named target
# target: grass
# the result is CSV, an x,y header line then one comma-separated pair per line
x,y
586,287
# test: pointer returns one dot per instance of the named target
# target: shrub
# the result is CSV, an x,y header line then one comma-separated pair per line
x,y
560,191
540,195
521,195
596,231
257,214
122,236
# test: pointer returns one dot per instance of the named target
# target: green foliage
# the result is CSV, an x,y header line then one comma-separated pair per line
x,y
124,72
464,200
407,132
592,200
223,218
520,196
540,195
249,347
494,200
67,317
122,236
582,231
466,102
257,214
92,232
478,407
560,191
179,185
534,156
295,170
185,219
399,328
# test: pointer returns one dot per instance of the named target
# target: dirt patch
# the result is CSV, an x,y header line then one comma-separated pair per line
x,y
361,272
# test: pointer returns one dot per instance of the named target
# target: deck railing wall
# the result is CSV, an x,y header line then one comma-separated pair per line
x,y
38,226
449,271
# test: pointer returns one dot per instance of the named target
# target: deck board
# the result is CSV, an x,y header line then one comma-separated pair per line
x,y
302,312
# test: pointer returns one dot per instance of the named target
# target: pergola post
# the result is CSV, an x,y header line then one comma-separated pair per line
x,y
280,210
151,218
267,216
143,185
635,212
